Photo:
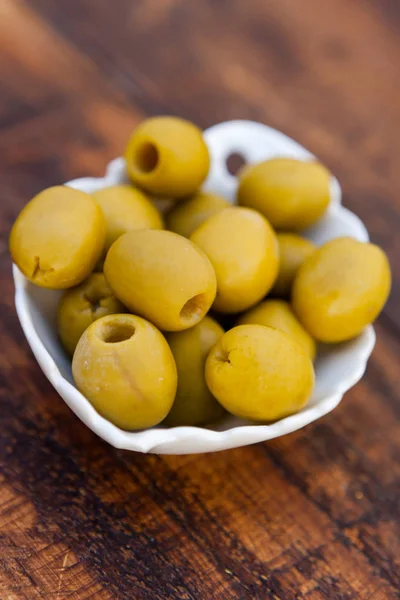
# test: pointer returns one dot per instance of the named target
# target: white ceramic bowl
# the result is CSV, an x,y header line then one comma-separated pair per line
x,y
338,367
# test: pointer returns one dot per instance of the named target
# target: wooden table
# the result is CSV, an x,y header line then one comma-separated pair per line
x,y
313,515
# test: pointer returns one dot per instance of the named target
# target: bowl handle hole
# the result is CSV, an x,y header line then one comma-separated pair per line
x,y
234,162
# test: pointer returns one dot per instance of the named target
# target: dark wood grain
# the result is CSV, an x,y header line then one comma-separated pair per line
x,y
313,515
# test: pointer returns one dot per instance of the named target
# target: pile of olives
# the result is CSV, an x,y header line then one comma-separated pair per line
x,y
135,314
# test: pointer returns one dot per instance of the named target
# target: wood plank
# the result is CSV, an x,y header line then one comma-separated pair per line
x,y
312,515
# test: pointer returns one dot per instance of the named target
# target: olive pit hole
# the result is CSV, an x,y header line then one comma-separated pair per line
x,y
146,157
117,332
194,309
235,162
94,301
223,356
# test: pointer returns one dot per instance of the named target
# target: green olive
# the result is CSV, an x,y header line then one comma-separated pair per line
x,y
341,288
259,373
162,276
186,216
58,237
243,250
279,314
82,305
167,156
194,404
126,208
291,194
293,250
125,368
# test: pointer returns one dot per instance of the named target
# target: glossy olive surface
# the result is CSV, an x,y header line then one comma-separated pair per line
x,y
186,216
194,404
58,237
291,194
162,276
167,156
279,314
82,305
243,250
293,250
126,208
125,368
341,288
259,373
